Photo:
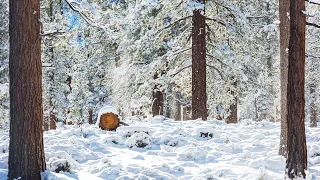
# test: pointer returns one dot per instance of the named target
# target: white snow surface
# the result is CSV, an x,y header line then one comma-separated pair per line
x,y
168,150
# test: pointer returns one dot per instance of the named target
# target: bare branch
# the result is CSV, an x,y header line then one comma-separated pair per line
x,y
87,19
52,33
215,68
313,25
215,58
174,23
312,56
181,70
313,2
217,20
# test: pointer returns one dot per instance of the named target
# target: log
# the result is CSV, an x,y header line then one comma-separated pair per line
x,y
109,121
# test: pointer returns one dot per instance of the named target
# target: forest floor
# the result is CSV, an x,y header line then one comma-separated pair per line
x,y
157,149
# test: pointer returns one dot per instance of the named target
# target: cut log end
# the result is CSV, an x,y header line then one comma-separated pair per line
x,y
109,121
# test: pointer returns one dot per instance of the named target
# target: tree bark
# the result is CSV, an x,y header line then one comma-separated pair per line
x,y
296,142
53,125
157,105
90,116
199,94
284,10
233,110
313,108
26,152
233,116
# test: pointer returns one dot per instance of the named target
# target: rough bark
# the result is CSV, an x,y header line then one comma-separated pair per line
x,y
284,9
313,108
90,116
233,116
157,105
296,139
53,121
26,153
199,96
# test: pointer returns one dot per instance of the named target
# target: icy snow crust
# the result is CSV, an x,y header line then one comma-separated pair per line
x,y
168,150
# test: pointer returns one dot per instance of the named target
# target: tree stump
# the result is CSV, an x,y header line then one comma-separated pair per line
x,y
109,121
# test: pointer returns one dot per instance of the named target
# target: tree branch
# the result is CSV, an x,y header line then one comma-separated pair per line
x,y
313,25
52,33
181,70
87,19
174,23
215,58
217,20
215,68
313,2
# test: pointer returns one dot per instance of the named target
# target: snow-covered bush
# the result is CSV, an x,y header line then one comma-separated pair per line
x,y
139,140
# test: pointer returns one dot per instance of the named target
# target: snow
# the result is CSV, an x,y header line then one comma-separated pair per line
x,y
183,150
315,1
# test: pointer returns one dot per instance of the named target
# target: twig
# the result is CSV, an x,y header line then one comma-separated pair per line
x,y
313,25
181,70
216,70
174,23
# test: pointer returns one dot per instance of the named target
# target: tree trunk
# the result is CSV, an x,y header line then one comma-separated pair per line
x,y
233,116
157,105
26,151
296,142
199,96
284,9
52,122
313,108
90,116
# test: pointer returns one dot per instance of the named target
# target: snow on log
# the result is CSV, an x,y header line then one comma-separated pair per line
x,y
108,118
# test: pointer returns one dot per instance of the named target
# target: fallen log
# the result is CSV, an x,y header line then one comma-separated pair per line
x,y
109,121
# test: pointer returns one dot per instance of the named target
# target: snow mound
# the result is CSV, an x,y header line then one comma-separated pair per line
x,y
139,140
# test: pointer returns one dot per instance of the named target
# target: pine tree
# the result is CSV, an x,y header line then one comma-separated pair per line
x,y
26,151
284,9
199,94
296,137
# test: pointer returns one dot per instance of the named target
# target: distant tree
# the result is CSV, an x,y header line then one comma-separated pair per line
x,y
284,9
26,151
199,90
296,137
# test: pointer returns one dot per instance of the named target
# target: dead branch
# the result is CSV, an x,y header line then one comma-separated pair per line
x,y
215,68
174,23
217,20
181,70
313,25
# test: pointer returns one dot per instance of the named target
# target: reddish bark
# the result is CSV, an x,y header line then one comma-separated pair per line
x,y
199,94
26,151
296,142
284,9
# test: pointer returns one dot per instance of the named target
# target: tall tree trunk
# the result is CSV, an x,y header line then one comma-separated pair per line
x,y
26,153
313,108
296,142
199,94
284,10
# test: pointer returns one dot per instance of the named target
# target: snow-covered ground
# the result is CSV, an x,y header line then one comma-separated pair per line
x,y
156,149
